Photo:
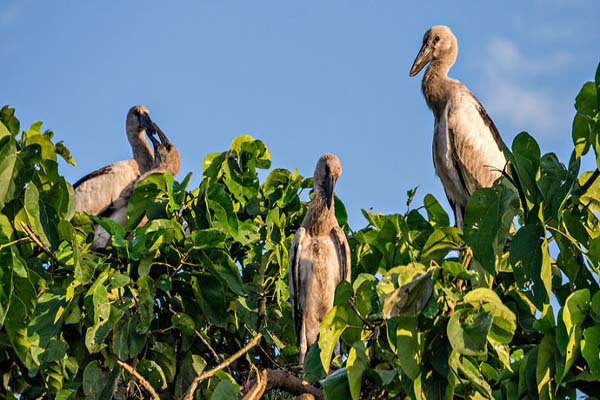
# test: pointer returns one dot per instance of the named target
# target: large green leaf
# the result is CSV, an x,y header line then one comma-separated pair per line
x,y
98,383
332,327
531,263
590,349
8,157
468,331
356,365
336,386
526,164
488,218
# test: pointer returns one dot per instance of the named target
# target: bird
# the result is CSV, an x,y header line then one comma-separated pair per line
x,y
166,159
467,147
319,256
97,190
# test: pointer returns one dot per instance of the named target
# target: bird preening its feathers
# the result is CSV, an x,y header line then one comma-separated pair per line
x,y
96,191
467,148
106,192
319,257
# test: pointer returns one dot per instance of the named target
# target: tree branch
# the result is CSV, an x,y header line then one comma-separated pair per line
x,y
189,394
140,378
36,239
269,379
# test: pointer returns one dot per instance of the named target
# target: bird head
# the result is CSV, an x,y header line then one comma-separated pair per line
x,y
166,155
439,45
327,172
138,121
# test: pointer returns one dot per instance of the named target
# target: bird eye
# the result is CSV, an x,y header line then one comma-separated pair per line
x,y
437,39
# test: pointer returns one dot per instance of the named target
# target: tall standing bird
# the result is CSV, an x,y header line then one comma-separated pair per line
x,y
319,257
166,159
467,148
97,190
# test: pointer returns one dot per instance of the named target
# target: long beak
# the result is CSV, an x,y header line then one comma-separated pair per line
x,y
163,138
155,143
422,59
147,124
329,185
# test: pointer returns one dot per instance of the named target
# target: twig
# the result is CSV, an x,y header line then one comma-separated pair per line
x,y
270,379
205,342
590,181
189,394
569,238
140,378
365,321
14,242
36,239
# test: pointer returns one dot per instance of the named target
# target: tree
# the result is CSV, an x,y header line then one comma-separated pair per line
x,y
206,315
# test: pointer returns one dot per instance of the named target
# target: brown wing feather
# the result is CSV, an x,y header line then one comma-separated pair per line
x,y
293,265
343,252
92,175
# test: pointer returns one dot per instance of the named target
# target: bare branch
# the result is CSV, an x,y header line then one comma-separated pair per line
x,y
205,342
269,379
189,394
140,378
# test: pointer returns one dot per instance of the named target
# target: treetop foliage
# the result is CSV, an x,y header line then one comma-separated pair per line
x,y
195,302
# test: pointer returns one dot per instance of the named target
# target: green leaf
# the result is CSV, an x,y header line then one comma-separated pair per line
x,y
467,332
436,213
225,390
408,350
572,316
356,365
340,211
313,368
441,242
210,295
332,327
184,323
336,386
504,320
488,218
590,349
153,373
555,184
8,157
46,319
409,298
586,101
526,164
531,263
98,384
582,131
208,238
544,371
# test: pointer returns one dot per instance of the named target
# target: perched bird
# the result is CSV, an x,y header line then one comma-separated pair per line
x,y
166,159
467,148
97,190
319,257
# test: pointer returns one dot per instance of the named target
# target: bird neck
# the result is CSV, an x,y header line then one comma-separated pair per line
x,y
320,219
436,85
142,153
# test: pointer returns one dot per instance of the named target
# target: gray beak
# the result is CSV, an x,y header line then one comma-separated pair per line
x,y
146,123
329,185
422,59
163,138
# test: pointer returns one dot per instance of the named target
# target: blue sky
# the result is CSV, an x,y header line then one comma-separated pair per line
x,y
305,77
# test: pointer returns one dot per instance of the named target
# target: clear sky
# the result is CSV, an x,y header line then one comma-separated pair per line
x,y
306,77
